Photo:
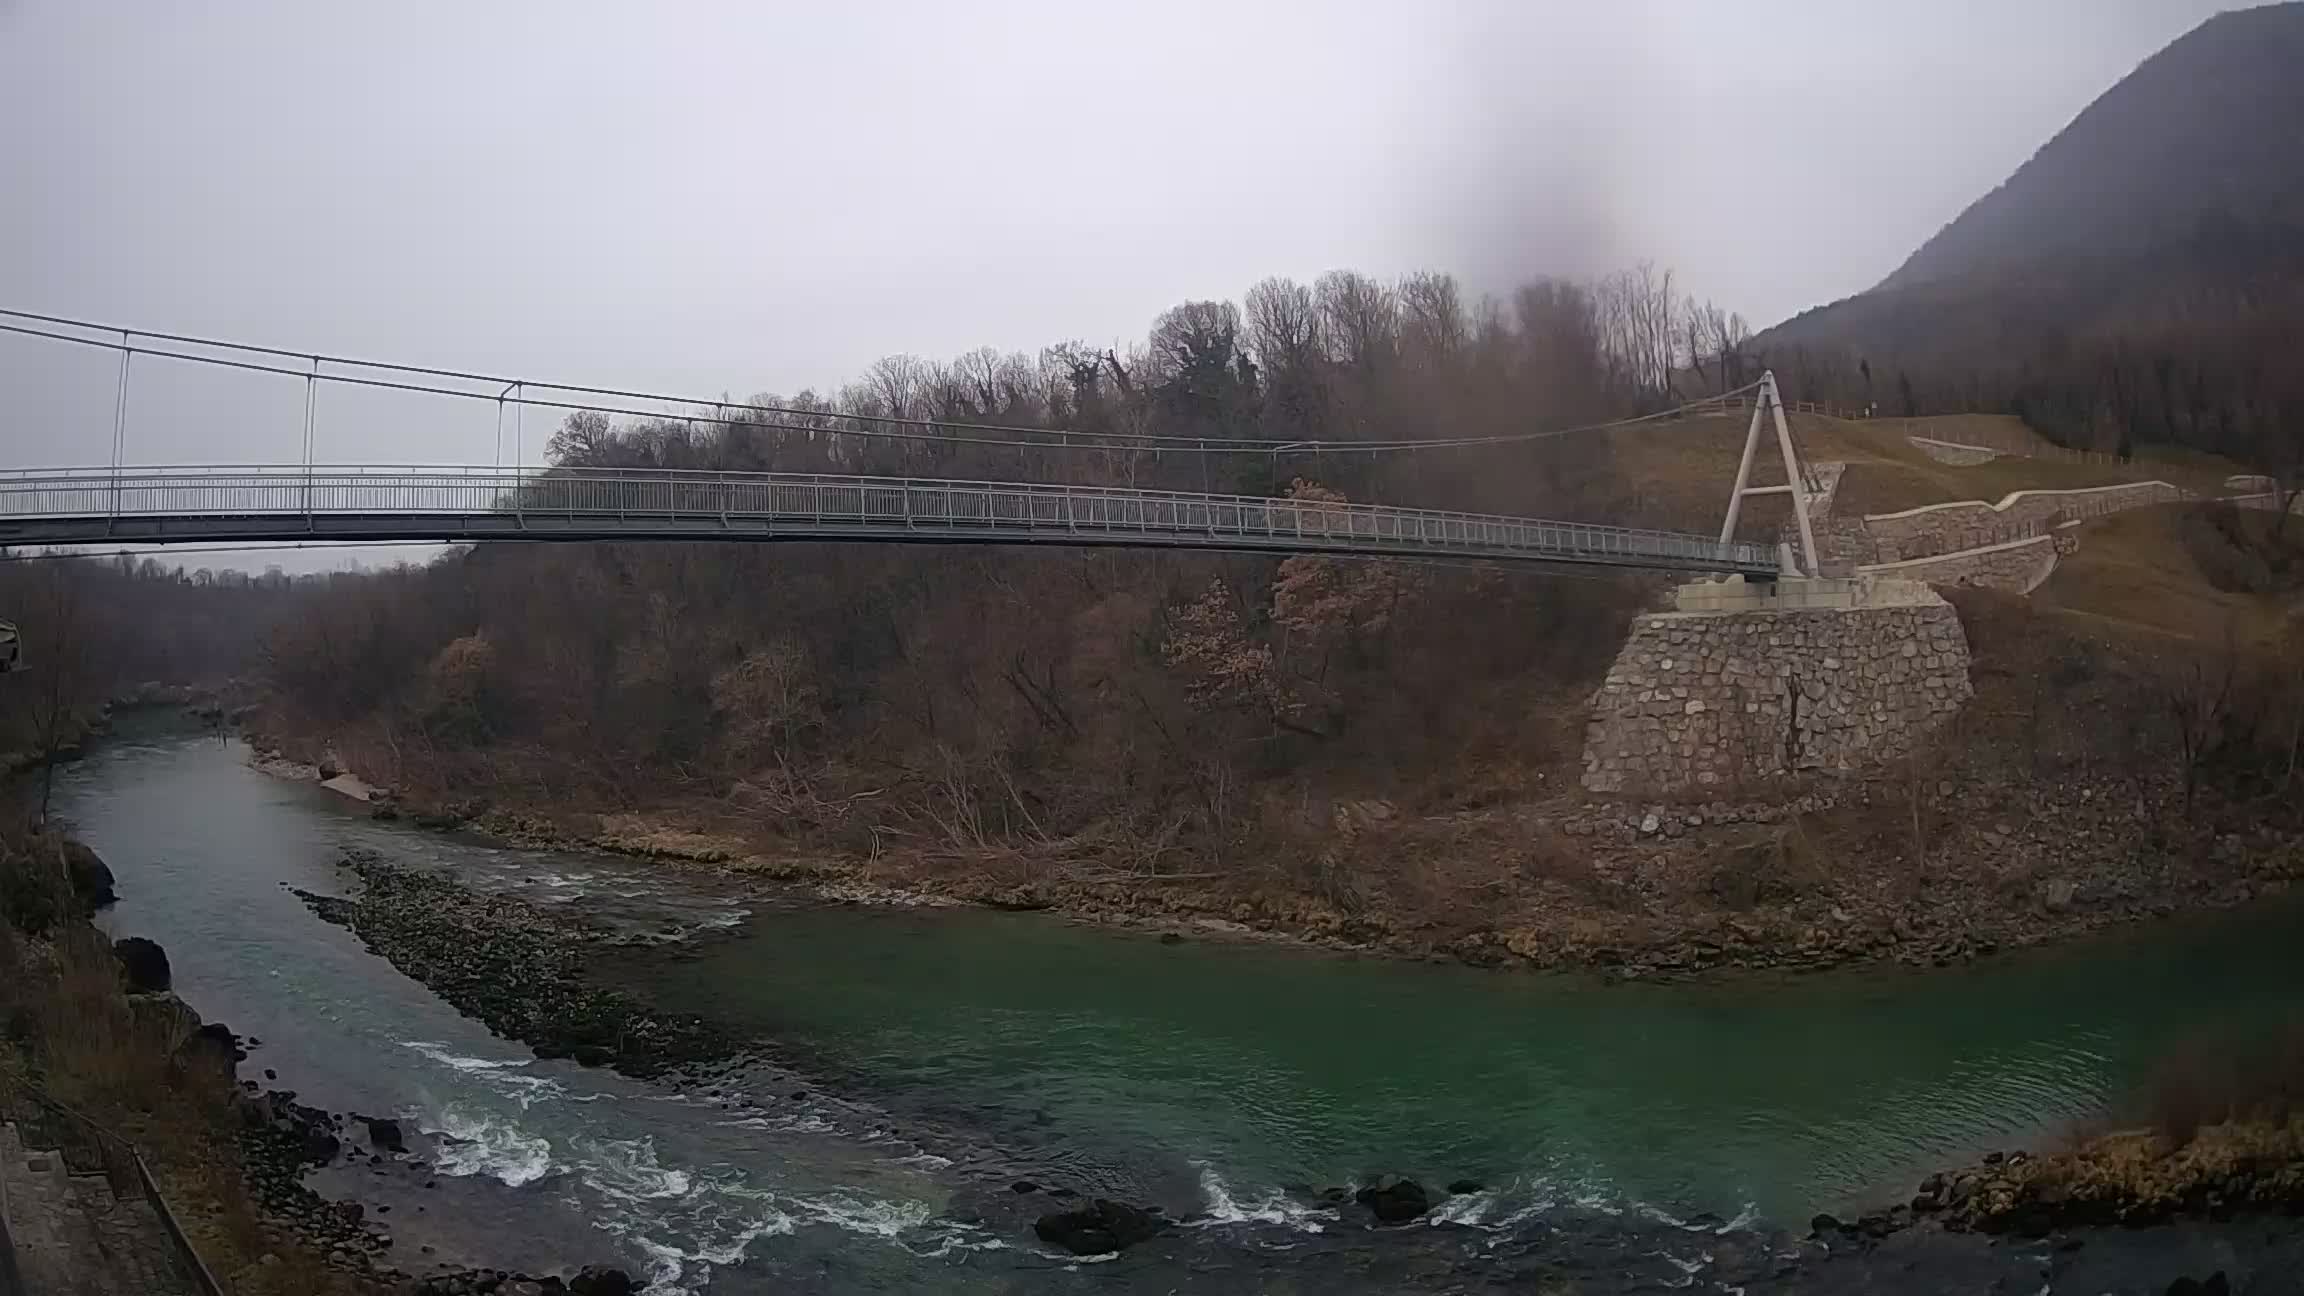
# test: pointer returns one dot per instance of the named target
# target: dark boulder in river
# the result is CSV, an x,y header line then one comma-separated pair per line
x,y
1396,1202
600,1280
1099,1228
385,1135
91,878
216,1045
143,963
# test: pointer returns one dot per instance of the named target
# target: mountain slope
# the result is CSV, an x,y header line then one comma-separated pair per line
x,y
2201,141
2141,278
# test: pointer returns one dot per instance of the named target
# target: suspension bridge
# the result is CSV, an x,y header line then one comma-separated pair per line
x,y
120,503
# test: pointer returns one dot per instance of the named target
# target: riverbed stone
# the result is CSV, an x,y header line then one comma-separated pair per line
x,y
1395,1202
1101,1227
601,1280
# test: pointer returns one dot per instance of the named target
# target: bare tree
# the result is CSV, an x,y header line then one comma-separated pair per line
x,y
1283,328
1433,321
1360,320
62,656
2199,700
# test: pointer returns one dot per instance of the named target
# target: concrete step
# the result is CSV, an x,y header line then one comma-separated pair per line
x,y
75,1237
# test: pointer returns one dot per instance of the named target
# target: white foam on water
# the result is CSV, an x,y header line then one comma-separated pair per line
x,y
876,1217
1543,1198
489,1145
721,1220
526,1089
802,1124
627,1169
505,1076
439,1053
732,1248
666,1265
1468,1208
925,1161
953,1238
1685,1264
689,1221
1273,1207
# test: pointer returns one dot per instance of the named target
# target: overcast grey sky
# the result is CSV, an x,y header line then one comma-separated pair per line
x,y
748,197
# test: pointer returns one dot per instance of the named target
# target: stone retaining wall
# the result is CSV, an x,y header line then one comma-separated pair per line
x,y
1947,528
1959,456
2018,566
1843,540
2269,501
1705,702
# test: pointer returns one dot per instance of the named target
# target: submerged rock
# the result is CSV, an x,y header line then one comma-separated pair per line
x,y
601,1280
91,877
212,1046
1099,1228
385,1134
143,963
1396,1202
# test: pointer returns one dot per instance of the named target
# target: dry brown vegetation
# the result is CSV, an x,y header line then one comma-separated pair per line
x,y
1035,713
131,1065
1368,749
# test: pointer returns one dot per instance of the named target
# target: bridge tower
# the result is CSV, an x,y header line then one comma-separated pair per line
x,y
1765,403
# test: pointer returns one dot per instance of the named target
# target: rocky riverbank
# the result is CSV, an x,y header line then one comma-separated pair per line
x,y
2218,1211
2130,1178
514,967
232,1157
282,1141
1654,892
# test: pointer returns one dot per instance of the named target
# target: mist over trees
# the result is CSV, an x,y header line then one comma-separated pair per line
x,y
1346,358
93,629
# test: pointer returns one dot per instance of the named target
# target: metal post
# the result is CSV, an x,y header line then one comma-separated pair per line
x,y
120,422
1808,553
1744,466
311,395
1769,402
520,453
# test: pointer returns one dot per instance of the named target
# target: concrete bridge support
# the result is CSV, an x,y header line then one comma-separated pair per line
x,y
1744,684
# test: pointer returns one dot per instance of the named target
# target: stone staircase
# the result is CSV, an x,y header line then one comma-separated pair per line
x,y
74,1236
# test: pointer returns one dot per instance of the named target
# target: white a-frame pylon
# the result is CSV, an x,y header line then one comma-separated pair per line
x,y
1765,403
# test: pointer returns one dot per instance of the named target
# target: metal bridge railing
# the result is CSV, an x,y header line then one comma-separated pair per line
x,y
94,501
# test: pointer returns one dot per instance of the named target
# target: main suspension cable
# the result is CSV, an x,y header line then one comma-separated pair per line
x,y
939,431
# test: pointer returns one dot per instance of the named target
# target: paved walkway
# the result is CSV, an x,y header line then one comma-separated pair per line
x,y
74,1237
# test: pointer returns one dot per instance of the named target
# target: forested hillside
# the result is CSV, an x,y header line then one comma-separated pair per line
x,y
1065,704
2141,279
94,629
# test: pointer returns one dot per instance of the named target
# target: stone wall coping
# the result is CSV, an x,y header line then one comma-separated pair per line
x,y
1795,594
2013,496
1958,554
1959,445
